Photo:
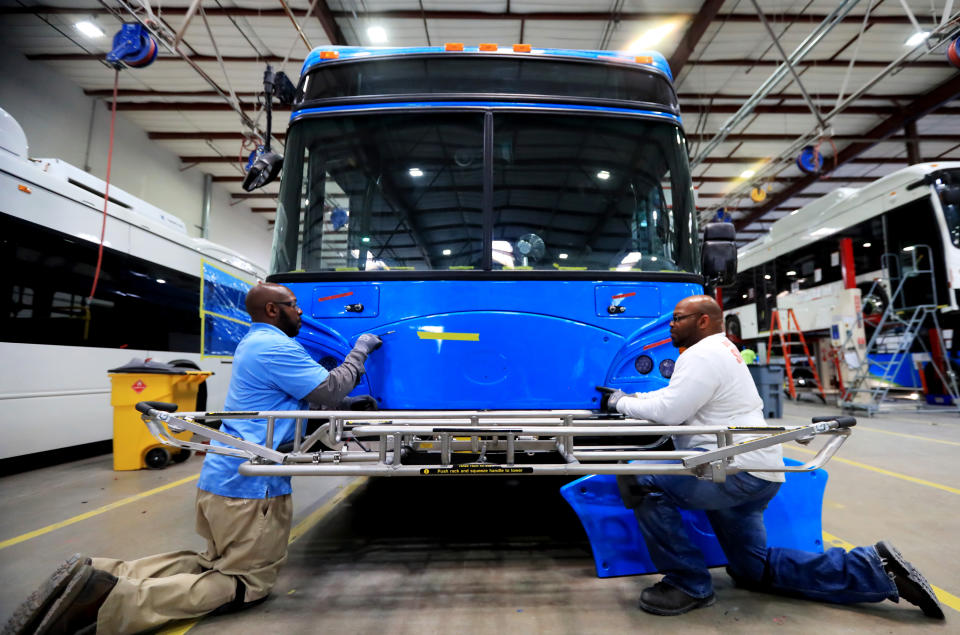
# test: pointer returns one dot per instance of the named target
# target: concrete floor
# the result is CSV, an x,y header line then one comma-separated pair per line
x,y
492,556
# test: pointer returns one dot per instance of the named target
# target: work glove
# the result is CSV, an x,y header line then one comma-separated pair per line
x,y
608,402
360,402
367,343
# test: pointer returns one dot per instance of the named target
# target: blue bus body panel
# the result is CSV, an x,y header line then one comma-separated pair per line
x,y
366,52
460,344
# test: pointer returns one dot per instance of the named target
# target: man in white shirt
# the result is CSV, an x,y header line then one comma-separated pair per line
x,y
711,385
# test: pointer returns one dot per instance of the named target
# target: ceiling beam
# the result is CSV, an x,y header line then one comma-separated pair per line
x,y
789,179
747,138
708,10
828,161
274,59
931,101
741,97
204,136
329,24
798,195
416,14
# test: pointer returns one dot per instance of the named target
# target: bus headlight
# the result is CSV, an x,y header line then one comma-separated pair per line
x,y
643,364
666,368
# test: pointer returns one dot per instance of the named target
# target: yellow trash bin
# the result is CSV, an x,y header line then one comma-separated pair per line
x,y
145,380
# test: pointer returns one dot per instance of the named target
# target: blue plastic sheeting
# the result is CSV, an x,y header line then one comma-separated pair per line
x,y
225,320
906,376
793,520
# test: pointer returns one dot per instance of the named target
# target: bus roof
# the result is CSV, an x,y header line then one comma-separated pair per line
x,y
836,211
650,58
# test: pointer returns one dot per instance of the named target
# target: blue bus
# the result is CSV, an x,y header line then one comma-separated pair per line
x,y
517,225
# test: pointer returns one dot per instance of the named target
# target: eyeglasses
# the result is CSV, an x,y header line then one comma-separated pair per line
x,y
680,318
291,303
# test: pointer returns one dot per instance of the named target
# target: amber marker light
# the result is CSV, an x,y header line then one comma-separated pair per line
x,y
487,47
643,59
453,46
329,55
521,48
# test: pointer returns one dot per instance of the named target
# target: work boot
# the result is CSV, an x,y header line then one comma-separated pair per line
x,y
665,599
76,608
911,585
25,619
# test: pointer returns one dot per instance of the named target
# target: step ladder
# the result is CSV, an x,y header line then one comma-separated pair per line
x,y
902,319
784,333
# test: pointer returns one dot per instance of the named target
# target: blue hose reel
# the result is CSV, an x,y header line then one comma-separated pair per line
x,y
133,46
809,160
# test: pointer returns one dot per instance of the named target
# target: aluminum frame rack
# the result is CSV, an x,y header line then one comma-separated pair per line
x,y
402,433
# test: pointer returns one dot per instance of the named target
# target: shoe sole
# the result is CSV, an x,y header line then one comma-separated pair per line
x,y
66,598
699,604
902,568
32,610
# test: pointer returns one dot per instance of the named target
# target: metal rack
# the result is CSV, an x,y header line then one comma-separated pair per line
x,y
903,319
430,443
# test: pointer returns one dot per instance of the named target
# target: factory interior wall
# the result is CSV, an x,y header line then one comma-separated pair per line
x,y
55,115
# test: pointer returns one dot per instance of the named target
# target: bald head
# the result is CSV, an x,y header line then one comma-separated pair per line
x,y
274,304
699,316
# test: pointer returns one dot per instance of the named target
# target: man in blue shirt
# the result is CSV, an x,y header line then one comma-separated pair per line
x,y
244,519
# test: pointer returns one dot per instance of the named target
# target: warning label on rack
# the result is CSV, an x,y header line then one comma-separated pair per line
x,y
472,470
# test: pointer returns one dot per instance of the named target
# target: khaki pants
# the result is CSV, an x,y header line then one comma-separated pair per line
x,y
246,540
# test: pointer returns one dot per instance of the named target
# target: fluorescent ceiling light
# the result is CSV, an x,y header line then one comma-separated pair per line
x,y
766,276
446,252
746,174
415,172
88,28
866,244
652,37
377,34
161,281
603,175
365,239
917,38
910,248
791,273
562,256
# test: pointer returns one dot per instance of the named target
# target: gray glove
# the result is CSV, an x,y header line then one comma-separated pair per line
x,y
608,402
367,343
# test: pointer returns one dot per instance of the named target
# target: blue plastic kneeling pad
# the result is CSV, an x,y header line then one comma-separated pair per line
x,y
793,520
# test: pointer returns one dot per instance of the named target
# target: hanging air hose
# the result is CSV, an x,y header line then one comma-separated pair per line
x,y
133,46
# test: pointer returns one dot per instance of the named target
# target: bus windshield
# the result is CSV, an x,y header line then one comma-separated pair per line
x,y
551,192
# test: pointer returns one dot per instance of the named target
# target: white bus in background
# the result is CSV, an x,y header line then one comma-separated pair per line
x,y
55,346
798,264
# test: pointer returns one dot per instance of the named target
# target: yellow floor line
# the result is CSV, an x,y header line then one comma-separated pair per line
x,y
946,598
302,527
912,479
907,436
94,512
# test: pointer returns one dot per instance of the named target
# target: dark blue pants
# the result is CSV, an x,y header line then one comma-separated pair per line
x,y
735,509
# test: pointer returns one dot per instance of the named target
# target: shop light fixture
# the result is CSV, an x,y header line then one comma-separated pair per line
x,y
415,172
88,28
867,244
161,281
447,252
917,38
791,273
651,37
562,256
377,34
910,248
603,175
766,276
746,174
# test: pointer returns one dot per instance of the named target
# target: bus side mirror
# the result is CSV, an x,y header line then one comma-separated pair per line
x,y
719,255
